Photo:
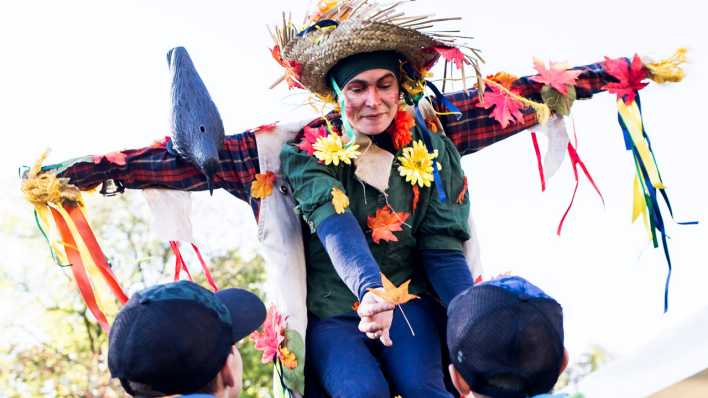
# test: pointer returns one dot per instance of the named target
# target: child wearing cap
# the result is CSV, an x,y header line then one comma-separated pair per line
x,y
178,338
505,339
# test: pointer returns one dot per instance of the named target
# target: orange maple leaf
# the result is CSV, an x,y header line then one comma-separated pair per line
x,y
385,223
340,201
392,294
262,186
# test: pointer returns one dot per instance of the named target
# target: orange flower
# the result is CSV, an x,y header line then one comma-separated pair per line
x,y
403,123
288,358
503,78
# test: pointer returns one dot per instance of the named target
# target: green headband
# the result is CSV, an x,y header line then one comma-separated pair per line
x,y
346,69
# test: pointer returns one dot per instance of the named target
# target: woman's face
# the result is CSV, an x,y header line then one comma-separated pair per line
x,y
372,100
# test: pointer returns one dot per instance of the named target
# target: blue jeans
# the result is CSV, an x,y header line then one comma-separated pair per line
x,y
348,364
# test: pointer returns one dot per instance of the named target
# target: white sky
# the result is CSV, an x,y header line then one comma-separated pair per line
x,y
90,77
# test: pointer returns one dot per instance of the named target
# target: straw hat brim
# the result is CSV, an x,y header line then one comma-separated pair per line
x,y
318,53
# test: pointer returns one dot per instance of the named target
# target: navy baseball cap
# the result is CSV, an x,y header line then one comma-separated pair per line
x,y
174,338
505,338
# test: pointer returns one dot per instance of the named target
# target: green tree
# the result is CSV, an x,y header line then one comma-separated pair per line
x,y
61,350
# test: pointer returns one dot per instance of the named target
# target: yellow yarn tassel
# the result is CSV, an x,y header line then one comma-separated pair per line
x,y
41,189
669,69
543,112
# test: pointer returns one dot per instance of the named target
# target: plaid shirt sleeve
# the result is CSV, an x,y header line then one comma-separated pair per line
x,y
157,167
477,129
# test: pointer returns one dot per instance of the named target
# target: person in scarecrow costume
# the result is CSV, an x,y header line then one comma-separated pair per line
x,y
366,198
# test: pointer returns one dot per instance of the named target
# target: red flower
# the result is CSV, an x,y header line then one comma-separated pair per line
x,y
272,337
310,137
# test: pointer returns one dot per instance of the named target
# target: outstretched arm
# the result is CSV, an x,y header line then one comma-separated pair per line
x,y
477,129
156,167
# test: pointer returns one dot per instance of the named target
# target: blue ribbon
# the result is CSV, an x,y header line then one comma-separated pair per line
x,y
318,25
440,97
661,191
656,219
420,122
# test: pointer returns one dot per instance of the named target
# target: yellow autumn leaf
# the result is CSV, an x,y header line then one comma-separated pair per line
x,y
340,201
262,186
392,294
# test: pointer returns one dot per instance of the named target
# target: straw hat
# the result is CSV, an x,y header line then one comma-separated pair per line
x,y
343,28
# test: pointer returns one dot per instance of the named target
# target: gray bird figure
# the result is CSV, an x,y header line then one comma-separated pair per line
x,y
197,129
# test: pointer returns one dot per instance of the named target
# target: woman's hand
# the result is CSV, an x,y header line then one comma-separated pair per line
x,y
376,317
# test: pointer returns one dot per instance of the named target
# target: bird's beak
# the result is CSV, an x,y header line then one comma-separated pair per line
x,y
209,169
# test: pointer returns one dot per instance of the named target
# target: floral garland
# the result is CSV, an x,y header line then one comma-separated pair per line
x,y
400,129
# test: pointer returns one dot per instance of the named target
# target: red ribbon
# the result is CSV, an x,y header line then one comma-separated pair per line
x,y
94,249
538,161
575,161
179,261
78,270
206,269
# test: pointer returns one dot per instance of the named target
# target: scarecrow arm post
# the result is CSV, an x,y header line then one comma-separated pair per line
x,y
157,167
477,129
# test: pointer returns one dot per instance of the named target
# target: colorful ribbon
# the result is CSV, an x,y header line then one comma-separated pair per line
x,y
86,259
647,181
420,122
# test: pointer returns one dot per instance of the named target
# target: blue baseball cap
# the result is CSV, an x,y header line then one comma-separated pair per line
x,y
505,337
174,338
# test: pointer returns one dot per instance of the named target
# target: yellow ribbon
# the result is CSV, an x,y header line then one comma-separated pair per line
x,y
640,206
101,290
633,120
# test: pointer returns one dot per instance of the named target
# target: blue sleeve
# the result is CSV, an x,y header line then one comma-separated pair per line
x,y
346,245
447,271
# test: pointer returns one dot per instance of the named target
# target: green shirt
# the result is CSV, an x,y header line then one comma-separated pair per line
x,y
434,224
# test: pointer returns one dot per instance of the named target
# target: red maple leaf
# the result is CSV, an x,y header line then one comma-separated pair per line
x,y
265,128
506,108
160,143
310,137
117,158
556,75
385,223
453,54
630,77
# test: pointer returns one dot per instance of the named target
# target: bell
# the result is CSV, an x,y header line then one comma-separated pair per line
x,y
111,187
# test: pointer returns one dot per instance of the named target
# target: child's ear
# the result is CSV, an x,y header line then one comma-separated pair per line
x,y
564,364
460,384
228,377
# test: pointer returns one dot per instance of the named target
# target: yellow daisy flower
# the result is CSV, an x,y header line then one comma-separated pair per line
x,y
330,150
417,164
